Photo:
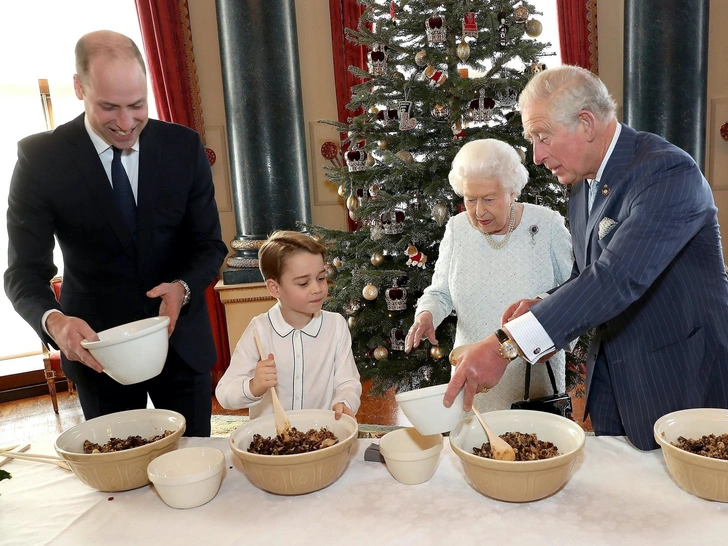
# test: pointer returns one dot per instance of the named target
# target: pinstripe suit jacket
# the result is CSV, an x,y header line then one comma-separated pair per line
x,y
654,287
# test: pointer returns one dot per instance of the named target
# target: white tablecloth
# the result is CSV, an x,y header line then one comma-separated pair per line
x,y
617,495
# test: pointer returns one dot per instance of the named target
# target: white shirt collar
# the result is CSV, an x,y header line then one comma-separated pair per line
x,y
98,142
617,132
282,328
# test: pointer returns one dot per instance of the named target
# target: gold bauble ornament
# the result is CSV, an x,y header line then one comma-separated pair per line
x,y
405,156
374,110
351,321
341,191
377,259
382,144
421,58
463,51
437,352
397,76
352,202
317,237
370,160
354,216
337,262
370,292
534,28
380,353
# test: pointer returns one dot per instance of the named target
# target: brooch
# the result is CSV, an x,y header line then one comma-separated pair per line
x,y
533,230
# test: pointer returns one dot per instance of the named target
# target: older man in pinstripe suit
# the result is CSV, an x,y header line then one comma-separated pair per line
x,y
648,272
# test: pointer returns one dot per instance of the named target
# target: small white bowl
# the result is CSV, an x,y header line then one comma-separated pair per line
x,y
187,477
133,352
411,457
702,476
424,409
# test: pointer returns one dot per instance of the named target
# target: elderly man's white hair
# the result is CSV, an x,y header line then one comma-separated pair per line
x,y
489,158
568,90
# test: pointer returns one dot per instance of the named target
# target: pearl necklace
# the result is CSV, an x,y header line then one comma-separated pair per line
x,y
497,245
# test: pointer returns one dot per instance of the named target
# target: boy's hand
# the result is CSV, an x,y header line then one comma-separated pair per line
x,y
266,376
342,408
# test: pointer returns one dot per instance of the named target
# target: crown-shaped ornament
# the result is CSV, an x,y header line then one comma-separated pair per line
x,y
396,297
356,159
392,221
435,29
377,60
482,107
397,338
470,26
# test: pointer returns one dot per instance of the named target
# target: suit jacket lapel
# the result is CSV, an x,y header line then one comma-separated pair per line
x,y
150,158
97,182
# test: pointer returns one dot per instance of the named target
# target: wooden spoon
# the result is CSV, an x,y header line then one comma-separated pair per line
x,y
283,425
48,459
500,449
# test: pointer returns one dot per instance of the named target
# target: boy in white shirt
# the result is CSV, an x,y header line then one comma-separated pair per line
x,y
309,350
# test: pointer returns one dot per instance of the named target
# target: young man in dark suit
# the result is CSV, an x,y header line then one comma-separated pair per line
x,y
648,274
152,255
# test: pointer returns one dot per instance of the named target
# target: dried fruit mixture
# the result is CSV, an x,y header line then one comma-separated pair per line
x,y
527,447
708,446
119,444
292,442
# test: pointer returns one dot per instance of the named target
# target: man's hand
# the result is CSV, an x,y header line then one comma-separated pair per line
x,y
479,366
68,332
266,377
342,408
517,309
421,328
172,294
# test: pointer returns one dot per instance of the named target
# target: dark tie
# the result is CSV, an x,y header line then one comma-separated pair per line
x,y
122,192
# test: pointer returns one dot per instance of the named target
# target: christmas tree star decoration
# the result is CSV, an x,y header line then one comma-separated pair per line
x,y
421,93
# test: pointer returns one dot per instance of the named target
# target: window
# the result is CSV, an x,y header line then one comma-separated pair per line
x,y
38,41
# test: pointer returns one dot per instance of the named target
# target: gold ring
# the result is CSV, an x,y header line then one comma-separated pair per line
x,y
486,389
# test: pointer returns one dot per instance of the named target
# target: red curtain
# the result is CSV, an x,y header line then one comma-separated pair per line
x,y
165,26
345,14
578,33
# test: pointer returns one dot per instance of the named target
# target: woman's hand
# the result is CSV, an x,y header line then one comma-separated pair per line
x,y
515,310
266,377
421,328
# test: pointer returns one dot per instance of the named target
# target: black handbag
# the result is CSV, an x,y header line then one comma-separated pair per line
x,y
557,403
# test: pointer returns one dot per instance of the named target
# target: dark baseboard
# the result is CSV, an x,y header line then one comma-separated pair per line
x,y
27,385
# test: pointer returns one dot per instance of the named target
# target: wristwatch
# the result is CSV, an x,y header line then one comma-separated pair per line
x,y
508,348
186,299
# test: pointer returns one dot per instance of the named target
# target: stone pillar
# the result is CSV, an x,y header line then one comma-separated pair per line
x,y
666,70
265,129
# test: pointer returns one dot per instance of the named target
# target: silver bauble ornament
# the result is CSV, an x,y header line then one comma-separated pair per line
x,y
439,213
370,292
376,232
421,58
440,112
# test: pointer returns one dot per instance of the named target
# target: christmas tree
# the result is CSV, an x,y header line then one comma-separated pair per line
x,y
439,74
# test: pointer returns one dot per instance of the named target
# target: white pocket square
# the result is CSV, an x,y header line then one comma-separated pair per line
x,y
605,226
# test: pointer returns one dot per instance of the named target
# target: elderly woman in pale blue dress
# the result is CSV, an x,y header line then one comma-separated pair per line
x,y
495,253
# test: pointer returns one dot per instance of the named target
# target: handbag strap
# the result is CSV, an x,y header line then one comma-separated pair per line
x,y
527,392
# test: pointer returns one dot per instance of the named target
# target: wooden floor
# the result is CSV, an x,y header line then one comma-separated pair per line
x,y
23,420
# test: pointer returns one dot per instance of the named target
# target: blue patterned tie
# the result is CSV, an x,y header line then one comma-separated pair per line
x,y
122,192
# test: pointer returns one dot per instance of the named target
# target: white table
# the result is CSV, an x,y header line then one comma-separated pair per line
x,y
617,495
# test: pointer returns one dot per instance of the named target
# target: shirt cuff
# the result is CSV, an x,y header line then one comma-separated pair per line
x,y
530,336
246,391
44,318
543,295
